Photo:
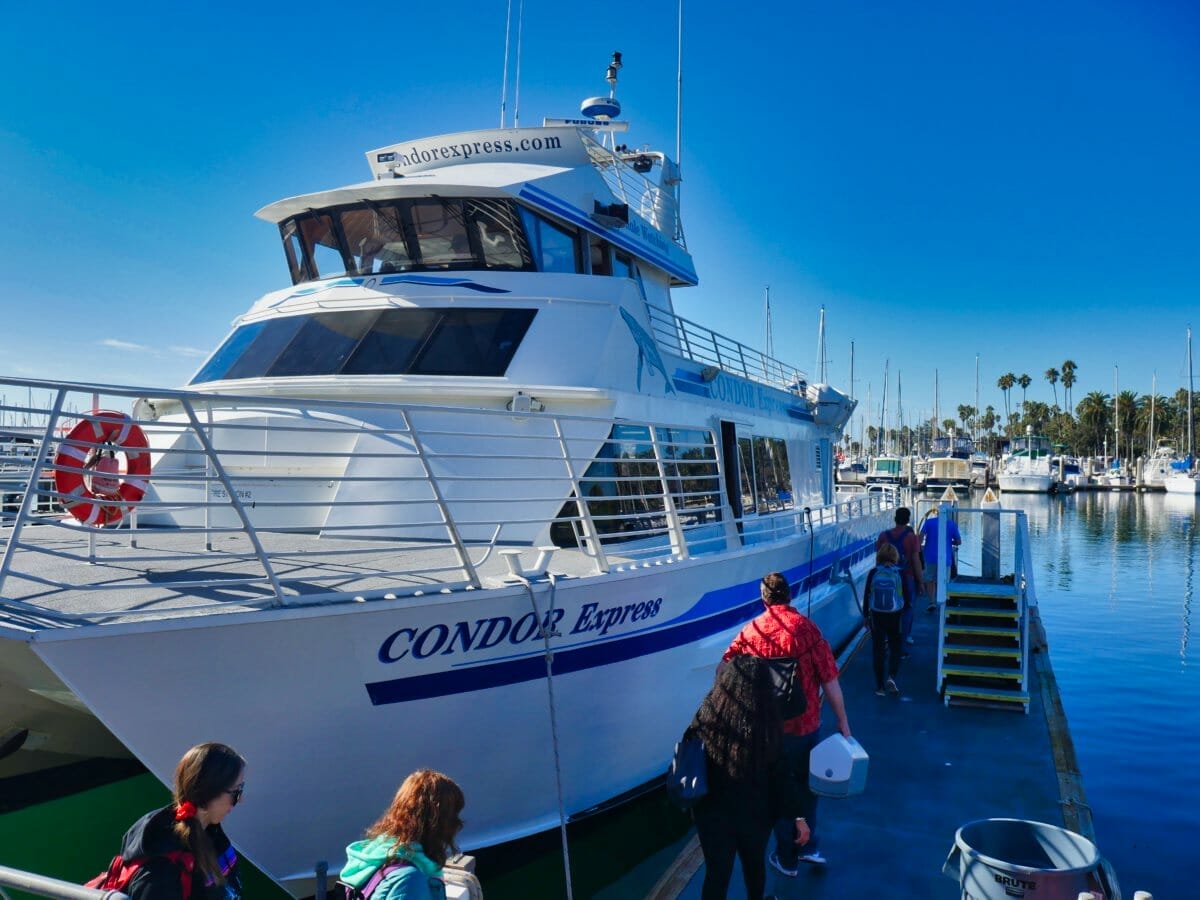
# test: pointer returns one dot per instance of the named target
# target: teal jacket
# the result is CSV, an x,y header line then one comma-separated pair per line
x,y
422,880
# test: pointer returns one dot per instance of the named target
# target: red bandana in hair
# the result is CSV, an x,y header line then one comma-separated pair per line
x,y
185,810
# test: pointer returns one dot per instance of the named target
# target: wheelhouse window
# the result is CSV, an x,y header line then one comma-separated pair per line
x,y
451,341
424,234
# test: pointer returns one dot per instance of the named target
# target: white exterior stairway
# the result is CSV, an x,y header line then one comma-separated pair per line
x,y
983,639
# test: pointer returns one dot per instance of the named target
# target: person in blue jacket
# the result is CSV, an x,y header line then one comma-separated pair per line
x,y
934,561
410,843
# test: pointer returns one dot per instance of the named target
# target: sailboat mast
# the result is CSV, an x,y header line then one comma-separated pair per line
x,y
1150,435
936,412
882,411
1191,424
822,375
975,430
770,338
1116,420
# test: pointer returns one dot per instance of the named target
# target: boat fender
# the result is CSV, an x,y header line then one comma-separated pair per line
x,y
87,474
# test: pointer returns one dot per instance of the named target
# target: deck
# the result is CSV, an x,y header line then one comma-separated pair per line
x,y
932,770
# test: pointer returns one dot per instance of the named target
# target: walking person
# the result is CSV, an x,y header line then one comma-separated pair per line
x,y
885,605
908,547
183,842
750,784
404,852
934,560
781,631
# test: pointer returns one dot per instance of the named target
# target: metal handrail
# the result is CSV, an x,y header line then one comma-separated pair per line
x,y
705,346
410,493
44,886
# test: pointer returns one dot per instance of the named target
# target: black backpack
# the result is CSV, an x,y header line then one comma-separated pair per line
x,y
782,670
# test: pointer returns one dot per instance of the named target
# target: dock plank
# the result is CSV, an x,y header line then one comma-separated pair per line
x,y
933,769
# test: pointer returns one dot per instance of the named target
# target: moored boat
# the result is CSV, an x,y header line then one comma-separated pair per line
x,y
467,493
1027,467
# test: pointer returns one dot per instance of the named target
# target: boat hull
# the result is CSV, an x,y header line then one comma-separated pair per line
x,y
344,701
1026,483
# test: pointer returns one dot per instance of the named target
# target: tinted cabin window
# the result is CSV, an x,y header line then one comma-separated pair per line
x,y
623,266
390,346
322,344
601,256
451,341
429,233
554,249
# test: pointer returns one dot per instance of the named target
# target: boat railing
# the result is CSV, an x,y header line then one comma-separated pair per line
x,y
45,886
264,501
657,203
708,348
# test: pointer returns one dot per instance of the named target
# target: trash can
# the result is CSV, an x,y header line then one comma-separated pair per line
x,y
997,859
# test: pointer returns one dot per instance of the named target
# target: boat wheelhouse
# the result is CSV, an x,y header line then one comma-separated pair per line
x,y
469,473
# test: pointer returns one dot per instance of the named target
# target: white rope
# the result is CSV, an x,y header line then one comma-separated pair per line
x,y
543,621
504,78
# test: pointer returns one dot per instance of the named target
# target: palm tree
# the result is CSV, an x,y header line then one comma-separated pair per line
x,y
1068,380
1037,414
1052,377
1094,411
1024,381
1005,382
947,425
966,413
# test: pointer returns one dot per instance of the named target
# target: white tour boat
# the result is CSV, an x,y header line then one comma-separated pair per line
x,y
1027,467
468,494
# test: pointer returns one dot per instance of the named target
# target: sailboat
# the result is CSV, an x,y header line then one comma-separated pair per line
x,y
1117,477
1184,480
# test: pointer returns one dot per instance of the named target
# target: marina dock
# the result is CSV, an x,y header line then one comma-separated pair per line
x,y
932,769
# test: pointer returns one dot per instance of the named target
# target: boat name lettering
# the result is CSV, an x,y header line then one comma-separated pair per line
x,y
648,234
464,637
745,393
592,618
220,493
417,155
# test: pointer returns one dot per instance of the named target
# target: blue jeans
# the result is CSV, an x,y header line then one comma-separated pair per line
x,y
796,750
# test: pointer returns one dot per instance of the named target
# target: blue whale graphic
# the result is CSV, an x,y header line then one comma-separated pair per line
x,y
647,352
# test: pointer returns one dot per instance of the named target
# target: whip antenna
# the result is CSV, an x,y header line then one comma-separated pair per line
x,y
504,78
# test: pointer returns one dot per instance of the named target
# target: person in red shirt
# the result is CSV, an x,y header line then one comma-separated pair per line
x,y
780,630
912,569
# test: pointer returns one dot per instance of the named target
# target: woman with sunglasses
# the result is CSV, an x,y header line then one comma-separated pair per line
x,y
184,840
403,854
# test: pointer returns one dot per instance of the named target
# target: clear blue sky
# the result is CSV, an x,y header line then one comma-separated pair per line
x,y
1016,180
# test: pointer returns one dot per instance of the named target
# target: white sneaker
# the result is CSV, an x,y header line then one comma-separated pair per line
x,y
889,686
815,858
779,867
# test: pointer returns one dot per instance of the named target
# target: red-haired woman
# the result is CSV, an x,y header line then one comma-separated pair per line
x,y
403,854
184,840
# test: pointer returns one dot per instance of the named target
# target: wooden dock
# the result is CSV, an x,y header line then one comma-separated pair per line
x,y
933,769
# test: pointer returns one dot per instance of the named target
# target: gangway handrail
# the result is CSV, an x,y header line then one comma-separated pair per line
x,y
55,888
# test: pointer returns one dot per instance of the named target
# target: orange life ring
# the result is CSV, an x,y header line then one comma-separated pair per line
x,y
88,480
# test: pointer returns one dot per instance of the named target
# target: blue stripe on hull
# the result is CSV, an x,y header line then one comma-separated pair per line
x,y
691,629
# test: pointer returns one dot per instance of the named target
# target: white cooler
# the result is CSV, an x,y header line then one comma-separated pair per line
x,y
837,767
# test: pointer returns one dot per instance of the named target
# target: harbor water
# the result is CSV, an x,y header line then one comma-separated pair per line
x,y
1116,579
